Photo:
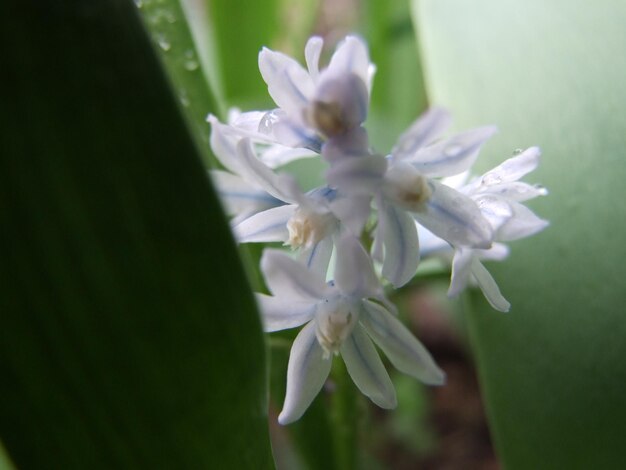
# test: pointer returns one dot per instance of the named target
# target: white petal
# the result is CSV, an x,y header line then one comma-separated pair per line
x,y
306,373
357,175
495,209
354,273
352,211
289,85
293,133
461,271
317,258
523,223
351,56
513,168
455,218
312,52
224,145
401,245
431,243
253,169
422,132
289,279
267,226
514,190
239,196
349,94
278,155
367,370
403,349
497,252
489,287
281,314
451,156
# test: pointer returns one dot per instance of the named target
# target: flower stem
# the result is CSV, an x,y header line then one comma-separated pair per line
x,y
344,417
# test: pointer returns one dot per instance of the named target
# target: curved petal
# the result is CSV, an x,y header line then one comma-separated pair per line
x,y
278,313
357,175
455,217
351,56
523,223
489,287
497,252
354,273
306,373
461,271
289,85
267,226
404,351
239,196
317,258
431,244
224,145
312,52
422,132
514,190
352,211
513,168
278,155
401,245
288,279
453,155
367,370
495,209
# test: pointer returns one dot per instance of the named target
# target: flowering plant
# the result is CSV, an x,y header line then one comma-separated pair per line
x,y
376,213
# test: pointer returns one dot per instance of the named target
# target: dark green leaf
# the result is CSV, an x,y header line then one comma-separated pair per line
x,y
129,336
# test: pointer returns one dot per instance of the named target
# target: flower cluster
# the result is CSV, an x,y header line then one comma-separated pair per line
x,y
375,211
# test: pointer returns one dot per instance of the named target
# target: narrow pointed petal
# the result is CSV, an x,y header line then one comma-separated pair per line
x,y
401,245
461,271
352,211
357,175
497,252
455,217
277,155
514,168
289,279
351,56
451,156
495,209
224,145
289,85
267,226
489,287
281,314
306,373
514,190
422,132
254,170
367,370
317,258
312,52
354,272
403,349
523,223
239,196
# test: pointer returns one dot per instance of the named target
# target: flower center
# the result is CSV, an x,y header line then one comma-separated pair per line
x,y
407,187
334,323
307,228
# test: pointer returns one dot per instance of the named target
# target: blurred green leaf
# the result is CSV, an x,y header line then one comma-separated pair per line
x,y
240,30
398,95
552,74
188,62
129,336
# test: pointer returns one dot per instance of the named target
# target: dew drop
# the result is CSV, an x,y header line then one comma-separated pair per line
x,y
182,96
517,151
163,43
191,65
267,122
490,179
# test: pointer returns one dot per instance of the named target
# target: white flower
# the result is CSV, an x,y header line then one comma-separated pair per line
x,y
498,194
340,319
316,105
405,190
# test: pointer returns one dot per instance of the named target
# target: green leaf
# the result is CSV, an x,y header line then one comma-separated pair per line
x,y
240,30
190,63
552,74
398,95
129,336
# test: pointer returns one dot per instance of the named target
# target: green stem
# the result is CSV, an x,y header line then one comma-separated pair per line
x,y
344,417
